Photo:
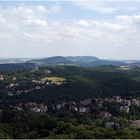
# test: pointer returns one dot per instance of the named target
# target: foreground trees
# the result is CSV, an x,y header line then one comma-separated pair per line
x,y
18,124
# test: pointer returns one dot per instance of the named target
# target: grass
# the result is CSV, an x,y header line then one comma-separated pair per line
x,y
54,79
124,68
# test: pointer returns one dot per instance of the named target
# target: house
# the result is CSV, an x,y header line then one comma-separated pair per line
x,y
105,114
72,103
135,102
86,102
126,102
37,81
1,77
14,78
47,71
18,92
36,68
11,85
84,109
111,100
96,100
135,123
73,108
109,124
64,104
58,106
117,99
106,100
37,87
47,83
26,91
100,104
44,109
35,109
112,125
16,84
31,104
10,94
58,83
125,109
18,108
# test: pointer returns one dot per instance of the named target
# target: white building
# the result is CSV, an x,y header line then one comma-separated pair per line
x,y
125,109
1,77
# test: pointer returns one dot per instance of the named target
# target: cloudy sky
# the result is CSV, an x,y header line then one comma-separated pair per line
x,y
108,29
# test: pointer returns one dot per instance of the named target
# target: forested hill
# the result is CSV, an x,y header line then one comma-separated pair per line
x,y
79,61
82,82
84,61
16,66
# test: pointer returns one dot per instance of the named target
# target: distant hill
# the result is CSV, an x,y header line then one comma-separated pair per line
x,y
83,61
83,58
51,61
16,66
13,60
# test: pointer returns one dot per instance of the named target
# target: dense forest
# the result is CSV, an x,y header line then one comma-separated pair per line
x,y
14,124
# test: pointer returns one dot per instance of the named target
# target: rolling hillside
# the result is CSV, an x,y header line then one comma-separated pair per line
x,y
84,61
80,61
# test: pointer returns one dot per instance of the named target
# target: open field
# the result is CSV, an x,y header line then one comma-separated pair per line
x,y
54,79
124,68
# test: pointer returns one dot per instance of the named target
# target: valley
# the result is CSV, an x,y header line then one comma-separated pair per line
x,y
104,97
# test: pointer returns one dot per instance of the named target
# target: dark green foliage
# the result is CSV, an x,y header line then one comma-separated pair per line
x,y
14,124
81,83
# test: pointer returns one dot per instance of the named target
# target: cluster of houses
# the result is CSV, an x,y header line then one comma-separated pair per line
x,y
32,106
122,102
82,106
36,107
85,106
41,108
13,88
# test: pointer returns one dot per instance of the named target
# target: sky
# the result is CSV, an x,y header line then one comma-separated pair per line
x,y
108,29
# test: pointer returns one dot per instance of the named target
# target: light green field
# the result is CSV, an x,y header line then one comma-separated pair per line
x,y
53,79
124,68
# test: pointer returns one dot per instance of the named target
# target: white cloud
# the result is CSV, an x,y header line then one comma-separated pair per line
x,y
98,6
2,20
129,19
5,35
108,6
41,8
36,22
26,23
29,25
55,9
24,10
82,23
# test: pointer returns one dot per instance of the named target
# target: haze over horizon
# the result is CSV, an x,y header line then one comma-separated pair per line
x,y
107,29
